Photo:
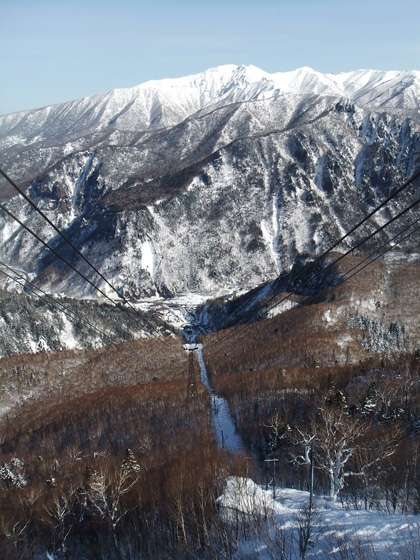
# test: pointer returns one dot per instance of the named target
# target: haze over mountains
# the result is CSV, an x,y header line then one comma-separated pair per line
x,y
208,183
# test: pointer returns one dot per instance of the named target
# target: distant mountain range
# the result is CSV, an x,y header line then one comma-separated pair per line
x,y
207,183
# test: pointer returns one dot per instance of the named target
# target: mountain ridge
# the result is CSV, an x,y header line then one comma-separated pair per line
x,y
227,197
227,84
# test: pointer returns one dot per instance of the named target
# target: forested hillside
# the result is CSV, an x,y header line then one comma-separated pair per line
x,y
103,455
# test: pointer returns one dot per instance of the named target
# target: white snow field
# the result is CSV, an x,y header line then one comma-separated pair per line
x,y
266,529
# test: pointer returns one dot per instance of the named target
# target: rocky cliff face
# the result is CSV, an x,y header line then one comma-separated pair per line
x,y
209,183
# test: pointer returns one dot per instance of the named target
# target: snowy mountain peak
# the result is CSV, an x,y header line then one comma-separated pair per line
x,y
393,89
134,171
162,103
305,80
248,74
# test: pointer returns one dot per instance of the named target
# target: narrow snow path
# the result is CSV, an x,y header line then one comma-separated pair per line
x,y
226,434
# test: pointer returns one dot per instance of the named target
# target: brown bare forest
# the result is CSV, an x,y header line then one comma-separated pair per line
x,y
103,457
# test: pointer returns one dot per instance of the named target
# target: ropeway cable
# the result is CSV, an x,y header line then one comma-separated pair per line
x,y
67,240
238,328
370,261
415,175
410,180
359,243
72,267
319,258
58,305
49,300
367,261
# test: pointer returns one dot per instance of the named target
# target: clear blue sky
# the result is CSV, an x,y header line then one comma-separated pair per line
x,y
55,51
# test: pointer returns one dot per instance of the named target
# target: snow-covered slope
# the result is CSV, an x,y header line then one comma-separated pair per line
x,y
211,182
381,89
281,527
167,102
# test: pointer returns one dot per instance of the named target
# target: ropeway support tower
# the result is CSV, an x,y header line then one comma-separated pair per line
x,y
192,393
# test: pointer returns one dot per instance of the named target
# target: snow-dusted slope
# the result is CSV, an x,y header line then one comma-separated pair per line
x,y
333,530
210,182
380,89
167,102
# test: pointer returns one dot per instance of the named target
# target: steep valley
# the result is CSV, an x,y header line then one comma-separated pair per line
x,y
208,207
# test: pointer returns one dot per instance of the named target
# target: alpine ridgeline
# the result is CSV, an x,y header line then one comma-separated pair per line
x,y
210,182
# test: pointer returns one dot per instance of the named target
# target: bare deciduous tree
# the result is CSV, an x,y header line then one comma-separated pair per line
x,y
308,521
